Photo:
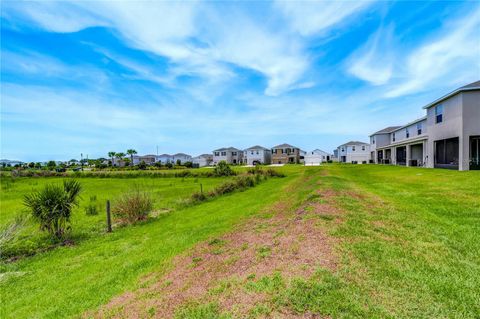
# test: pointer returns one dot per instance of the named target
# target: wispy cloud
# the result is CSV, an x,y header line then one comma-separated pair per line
x,y
449,57
373,62
311,17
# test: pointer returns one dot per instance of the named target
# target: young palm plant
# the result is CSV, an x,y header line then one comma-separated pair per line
x,y
52,206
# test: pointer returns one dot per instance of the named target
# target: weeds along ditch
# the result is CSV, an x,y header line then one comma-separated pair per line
x,y
28,230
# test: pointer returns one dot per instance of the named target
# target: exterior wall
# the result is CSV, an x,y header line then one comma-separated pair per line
x,y
471,124
251,156
313,159
377,141
280,156
348,154
164,159
183,158
451,126
202,161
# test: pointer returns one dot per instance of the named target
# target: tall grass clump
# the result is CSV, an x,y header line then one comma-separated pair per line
x,y
9,232
133,207
52,206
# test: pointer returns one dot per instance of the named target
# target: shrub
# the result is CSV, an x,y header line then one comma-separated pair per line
x,y
52,206
91,209
223,169
133,207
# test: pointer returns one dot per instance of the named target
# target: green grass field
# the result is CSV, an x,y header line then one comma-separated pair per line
x,y
408,244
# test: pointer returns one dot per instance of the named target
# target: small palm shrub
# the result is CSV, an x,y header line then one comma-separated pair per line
x,y
52,206
223,169
133,207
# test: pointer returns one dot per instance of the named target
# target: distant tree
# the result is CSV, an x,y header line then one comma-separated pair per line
x,y
169,165
188,164
38,165
4,164
112,155
131,152
53,205
179,162
142,165
120,156
31,164
51,165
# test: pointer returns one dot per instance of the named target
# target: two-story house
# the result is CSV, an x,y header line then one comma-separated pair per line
x,y
231,155
165,158
256,155
447,137
182,157
285,153
354,152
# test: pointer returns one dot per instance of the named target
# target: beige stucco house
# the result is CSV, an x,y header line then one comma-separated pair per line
x,y
447,137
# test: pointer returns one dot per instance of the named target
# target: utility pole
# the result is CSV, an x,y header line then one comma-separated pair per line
x,y
81,160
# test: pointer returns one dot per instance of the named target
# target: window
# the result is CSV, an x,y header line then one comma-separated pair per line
x,y
257,152
251,152
353,148
407,133
446,153
363,148
373,140
439,113
217,153
419,128
343,150
224,153
234,153
393,137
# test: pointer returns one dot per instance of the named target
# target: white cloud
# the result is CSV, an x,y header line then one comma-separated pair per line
x,y
373,62
199,38
448,58
311,17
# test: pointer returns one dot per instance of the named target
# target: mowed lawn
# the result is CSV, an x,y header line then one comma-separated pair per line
x,y
408,241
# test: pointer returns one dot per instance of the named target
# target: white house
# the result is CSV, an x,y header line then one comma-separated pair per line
x,y
203,160
231,155
257,155
316,157
354,152
165,158
182,157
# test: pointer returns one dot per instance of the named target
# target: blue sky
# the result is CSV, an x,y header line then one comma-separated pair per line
x,y
92,77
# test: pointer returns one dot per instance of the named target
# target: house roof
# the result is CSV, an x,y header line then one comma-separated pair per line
x,y
165,155
284,145
257,147
354,143
148,155
474,86
204,155
386,130
231,149
181,154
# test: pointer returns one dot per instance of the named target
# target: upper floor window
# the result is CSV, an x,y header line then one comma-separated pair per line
x,y
353,148
343,150
419,128
251,152
257,152
224,153
407,133
439,113
363,148
234,153
373,140
393,137
217,153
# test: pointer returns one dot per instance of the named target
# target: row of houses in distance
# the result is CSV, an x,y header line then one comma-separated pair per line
x,y
278,155
448,136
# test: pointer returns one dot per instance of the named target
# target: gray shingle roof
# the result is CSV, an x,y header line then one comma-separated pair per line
x,y
386,130
284,145
354,143
474,86
257,147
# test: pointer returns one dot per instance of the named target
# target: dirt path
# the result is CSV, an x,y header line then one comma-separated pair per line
x,y
284,240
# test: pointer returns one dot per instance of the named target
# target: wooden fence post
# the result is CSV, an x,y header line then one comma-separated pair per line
x,y
109,219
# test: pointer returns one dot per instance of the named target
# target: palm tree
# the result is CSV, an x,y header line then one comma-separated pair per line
x,y
112,155
120,156
131,152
